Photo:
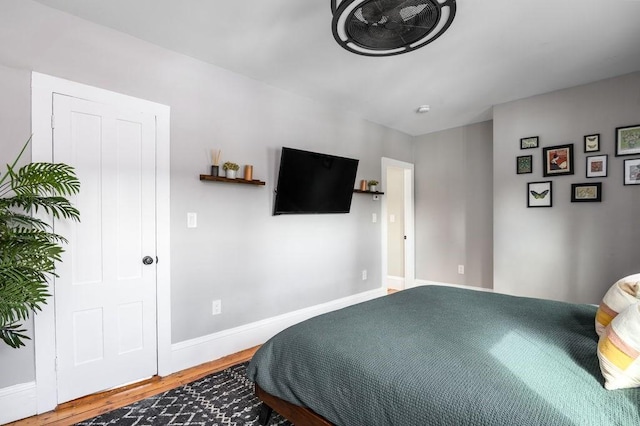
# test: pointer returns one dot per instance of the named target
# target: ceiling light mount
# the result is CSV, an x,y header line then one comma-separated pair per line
x,y
389,27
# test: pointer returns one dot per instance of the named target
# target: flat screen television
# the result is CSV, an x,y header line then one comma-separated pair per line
x,y
310,182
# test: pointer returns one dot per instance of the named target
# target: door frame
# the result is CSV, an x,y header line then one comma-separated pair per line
x,y
409,222
42,89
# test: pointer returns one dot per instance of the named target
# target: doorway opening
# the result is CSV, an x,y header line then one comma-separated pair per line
x,y
398,242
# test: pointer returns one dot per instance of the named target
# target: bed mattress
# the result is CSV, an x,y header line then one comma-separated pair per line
x,y
446,356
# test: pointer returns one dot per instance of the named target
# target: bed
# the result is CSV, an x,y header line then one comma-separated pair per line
x,y
438,355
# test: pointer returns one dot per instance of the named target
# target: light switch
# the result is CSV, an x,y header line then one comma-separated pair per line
x,y
192,220
392,218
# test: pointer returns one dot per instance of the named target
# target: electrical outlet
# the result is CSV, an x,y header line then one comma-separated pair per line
x,y
217,307
461,269
374,218
364,274
192,220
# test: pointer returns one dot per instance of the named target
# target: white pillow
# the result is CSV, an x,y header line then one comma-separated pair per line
x,y
619,350
621,295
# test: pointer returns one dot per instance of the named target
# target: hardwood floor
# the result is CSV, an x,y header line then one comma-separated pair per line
x,y
93,405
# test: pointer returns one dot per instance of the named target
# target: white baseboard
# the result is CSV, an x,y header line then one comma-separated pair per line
x,y
395,282
469,287
190,353
18,402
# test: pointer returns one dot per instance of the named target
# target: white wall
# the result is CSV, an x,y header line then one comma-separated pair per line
x,y
571,251
259,265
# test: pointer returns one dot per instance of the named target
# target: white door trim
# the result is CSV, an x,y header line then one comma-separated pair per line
x,y
409,224
42,89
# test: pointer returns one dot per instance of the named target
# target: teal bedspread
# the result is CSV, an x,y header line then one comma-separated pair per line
x,y
446,356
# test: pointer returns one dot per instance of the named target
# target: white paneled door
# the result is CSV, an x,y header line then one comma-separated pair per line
x,y
105,293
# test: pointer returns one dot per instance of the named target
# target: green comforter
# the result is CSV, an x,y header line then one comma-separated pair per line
x,y
446,356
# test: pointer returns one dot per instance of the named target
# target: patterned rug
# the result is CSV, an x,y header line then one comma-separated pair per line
x,y
223,398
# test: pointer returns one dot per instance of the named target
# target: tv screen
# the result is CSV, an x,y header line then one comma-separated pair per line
x,y
309,182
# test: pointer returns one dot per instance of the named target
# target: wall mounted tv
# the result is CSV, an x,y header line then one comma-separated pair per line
x,y
310,182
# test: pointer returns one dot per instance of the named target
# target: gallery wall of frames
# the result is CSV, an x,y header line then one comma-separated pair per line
x,y
559,160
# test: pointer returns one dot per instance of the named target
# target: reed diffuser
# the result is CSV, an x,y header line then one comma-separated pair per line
x,y
215,161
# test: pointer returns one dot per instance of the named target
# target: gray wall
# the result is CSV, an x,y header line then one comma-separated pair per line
x,y
258,264
453,204
571,251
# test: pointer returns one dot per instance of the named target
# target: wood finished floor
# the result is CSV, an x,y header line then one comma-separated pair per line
x,y
100,403
93,405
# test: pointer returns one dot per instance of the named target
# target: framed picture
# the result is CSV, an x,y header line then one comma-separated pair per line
x,y
628,140
539,194
557,160
597,166
524,164
632,172
586,192
530,142
592,143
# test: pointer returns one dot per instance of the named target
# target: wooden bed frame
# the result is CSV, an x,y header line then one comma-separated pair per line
x,y
294,413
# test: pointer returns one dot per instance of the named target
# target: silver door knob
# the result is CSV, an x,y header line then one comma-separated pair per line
x,y
147,260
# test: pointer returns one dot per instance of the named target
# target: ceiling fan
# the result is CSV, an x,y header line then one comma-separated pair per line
x,y
389,27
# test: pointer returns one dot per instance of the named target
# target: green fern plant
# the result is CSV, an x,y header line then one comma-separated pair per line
x,y
28,247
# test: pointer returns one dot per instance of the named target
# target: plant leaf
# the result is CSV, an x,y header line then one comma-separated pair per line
x,y
29,249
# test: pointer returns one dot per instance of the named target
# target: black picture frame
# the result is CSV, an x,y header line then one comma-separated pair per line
x,y
631,171
540,194
557,160
529,142
597,166
628,140
592,143
524,164
586,192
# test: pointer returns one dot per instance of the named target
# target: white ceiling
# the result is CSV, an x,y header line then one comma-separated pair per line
x,y
495,51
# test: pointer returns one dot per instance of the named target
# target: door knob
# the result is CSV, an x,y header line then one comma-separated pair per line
x,y
147,260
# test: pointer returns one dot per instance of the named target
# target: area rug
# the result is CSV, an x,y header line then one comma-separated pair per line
x,y
223,398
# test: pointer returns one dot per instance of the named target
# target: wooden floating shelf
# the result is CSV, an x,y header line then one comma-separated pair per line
x,y
224,179
360,191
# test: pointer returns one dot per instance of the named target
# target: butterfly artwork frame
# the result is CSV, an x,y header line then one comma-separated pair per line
x,y
540,194
586,192
592,143
557,160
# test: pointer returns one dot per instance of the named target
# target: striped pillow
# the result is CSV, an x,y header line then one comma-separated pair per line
x,y
621,295
619,350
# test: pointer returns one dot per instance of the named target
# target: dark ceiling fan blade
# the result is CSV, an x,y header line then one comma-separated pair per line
x,y
386,27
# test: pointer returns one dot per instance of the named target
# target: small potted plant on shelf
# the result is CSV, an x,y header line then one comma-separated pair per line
x,y
373,185
230,169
